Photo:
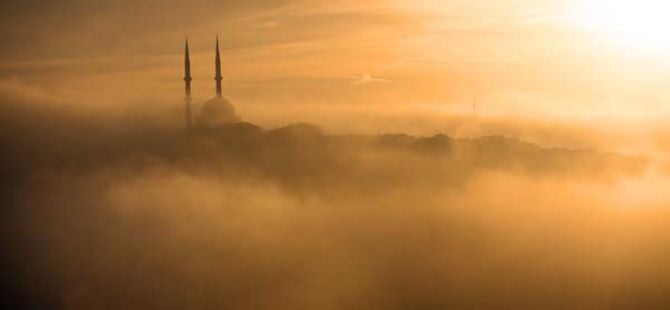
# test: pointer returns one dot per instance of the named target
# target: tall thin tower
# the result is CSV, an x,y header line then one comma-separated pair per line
x,y
187,87
217,64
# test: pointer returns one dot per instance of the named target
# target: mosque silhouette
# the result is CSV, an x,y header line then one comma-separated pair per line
x,y
215,112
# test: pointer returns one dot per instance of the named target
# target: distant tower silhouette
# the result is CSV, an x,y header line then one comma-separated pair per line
x,y
474,109
187,87
217,64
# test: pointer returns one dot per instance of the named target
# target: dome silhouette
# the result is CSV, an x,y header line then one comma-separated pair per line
x,y
217,112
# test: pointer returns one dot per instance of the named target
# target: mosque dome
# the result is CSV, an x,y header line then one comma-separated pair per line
x,y
217,112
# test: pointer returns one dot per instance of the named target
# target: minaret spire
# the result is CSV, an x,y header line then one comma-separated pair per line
x,y
217,64
187,87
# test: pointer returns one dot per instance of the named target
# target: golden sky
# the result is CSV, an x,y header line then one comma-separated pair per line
x,y
507,154
584,60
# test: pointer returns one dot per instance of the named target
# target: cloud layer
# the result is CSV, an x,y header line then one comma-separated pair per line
x,y
119,212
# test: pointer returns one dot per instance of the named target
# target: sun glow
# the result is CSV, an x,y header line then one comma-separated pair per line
x,y
637,24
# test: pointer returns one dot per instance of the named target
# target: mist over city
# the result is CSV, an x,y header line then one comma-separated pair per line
x,y
288,154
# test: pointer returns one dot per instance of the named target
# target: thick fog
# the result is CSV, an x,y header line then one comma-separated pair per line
x,y
126,211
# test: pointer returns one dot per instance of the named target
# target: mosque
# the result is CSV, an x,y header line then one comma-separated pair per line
x,y
215,112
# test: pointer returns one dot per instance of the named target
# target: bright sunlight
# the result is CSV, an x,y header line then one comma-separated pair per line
x,y
636,24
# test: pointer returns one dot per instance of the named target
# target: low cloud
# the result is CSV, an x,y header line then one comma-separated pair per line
x,y
116,212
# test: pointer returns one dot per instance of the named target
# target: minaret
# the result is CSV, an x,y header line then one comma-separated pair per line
x,y
187,87
217,64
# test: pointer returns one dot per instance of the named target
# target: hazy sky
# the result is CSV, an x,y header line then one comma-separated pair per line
x,y
525,58
109,204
